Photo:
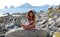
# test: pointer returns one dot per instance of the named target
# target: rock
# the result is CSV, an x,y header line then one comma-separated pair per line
x,y
28,33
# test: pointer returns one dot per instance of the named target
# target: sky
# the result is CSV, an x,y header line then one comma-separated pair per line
x,y
16,3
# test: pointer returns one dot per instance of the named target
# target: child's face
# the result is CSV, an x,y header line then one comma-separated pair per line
x,y
31,14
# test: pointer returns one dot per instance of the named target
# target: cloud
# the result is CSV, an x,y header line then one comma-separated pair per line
x,y
16,3
43,2
8,3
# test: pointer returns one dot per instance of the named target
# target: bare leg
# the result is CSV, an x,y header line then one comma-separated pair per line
x,y
27,27
24,26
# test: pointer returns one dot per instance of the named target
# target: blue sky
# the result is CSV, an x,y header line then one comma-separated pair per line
x,y
16,3
5,5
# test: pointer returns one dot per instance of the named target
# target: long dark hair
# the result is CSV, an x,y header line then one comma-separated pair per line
x,y
32,16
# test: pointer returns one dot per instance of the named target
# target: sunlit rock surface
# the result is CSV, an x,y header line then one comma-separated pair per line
x,y
27,33
56,34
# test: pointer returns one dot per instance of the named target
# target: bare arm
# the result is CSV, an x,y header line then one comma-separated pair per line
x,y
34,20
34,23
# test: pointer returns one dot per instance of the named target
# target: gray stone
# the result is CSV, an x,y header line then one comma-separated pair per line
x,y
27,33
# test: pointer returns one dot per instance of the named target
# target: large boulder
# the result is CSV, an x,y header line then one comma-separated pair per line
x,y
28,33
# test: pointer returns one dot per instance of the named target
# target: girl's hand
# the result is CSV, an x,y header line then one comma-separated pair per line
x,y
29,26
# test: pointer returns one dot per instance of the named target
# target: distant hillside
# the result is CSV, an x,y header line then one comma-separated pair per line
x,y
24,8
53,11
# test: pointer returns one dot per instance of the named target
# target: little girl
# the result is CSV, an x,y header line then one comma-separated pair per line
x,y
31,21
